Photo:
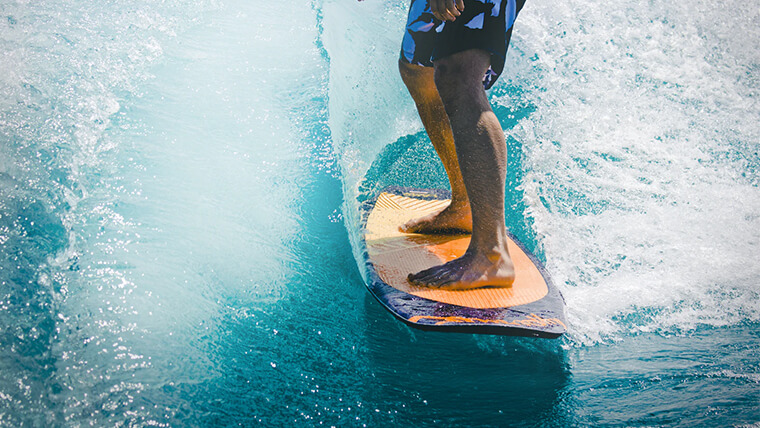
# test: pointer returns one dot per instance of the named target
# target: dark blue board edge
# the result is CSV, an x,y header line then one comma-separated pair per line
x,y
536,319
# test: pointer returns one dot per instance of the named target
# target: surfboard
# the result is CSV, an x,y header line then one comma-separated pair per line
x,y
532,306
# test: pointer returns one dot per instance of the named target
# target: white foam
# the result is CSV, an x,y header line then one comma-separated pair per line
x,y
643,176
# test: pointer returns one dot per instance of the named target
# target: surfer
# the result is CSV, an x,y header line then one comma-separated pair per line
x,y
452,51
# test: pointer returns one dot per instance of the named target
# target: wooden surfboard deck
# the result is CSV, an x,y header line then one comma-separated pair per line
x,y
532,306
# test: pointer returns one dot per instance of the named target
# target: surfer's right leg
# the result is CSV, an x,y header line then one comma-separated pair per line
x,y
456,216
416,68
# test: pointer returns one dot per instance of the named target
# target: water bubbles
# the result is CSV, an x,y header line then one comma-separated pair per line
x,y
336,216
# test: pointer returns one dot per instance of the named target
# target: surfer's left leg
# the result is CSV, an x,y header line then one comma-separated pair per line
x,y
471,46
482,154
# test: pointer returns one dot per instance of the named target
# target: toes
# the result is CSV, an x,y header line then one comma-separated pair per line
x,y
437,276
422,277
412,226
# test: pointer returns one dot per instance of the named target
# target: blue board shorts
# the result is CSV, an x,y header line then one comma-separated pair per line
x,y
483,24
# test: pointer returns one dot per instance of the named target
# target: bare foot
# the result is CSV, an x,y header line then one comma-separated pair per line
x,y
472,270
456,219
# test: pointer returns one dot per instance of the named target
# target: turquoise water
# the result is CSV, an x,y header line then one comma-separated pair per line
x,y
180,183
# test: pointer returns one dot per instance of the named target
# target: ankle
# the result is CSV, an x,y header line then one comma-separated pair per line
x,y
459,204
494,248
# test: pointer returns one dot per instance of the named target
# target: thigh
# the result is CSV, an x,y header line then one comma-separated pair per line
x,y
484,25
462,70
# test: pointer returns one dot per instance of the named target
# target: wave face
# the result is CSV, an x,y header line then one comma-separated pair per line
x,y
68,68
632,135
152,172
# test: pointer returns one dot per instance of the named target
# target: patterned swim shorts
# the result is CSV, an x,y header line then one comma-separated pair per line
x,y
483,24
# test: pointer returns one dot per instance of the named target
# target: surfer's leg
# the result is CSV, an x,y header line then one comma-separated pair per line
x,y
481,152
421,84
416,67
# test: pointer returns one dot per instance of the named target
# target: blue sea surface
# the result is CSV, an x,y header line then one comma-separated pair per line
x,y
179,195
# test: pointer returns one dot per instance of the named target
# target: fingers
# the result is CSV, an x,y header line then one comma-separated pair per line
x,y
460,5
438,7
446,10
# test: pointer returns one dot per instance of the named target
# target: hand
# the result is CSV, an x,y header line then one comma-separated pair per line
x,y
447,10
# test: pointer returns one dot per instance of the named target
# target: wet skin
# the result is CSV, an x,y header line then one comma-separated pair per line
x,y
457,216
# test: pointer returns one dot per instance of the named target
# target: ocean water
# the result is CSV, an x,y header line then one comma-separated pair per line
x,y
179,188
